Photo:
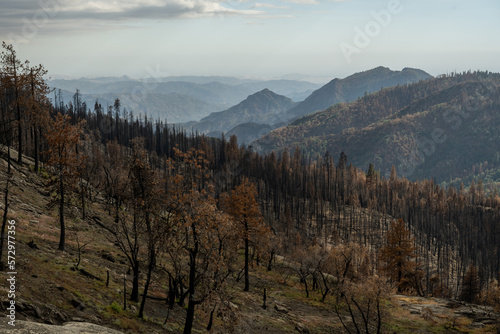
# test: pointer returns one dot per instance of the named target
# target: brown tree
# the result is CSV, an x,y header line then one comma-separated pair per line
x,y
203,231
136,196
63,138
12,69
242,205
358,289
471,285
36,104
363,300
397,256
147,200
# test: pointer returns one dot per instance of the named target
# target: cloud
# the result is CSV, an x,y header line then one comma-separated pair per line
x,y
22,21
304,2
268,5
152,9
15,13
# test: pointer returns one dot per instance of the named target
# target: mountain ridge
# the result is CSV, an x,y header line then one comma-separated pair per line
x,y
355,86
437,129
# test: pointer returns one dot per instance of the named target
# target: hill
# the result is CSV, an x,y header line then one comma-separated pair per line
x,y
439,128
264,107
355,86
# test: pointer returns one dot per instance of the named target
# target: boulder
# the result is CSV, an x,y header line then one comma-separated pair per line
x,y
107,256
281,309
301,328
27,327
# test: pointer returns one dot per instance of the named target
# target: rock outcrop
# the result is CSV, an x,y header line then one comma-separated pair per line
x,y
28,327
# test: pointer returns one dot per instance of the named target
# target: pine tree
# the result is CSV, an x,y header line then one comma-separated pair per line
x,y
398,255
470,285
63,138
38,106
12,68
242,205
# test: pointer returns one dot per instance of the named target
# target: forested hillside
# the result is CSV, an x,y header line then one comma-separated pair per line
x,y
354,86
442,128
202,223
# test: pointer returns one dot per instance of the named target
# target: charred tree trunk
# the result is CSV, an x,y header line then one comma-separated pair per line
x,y
5,211
134,296
247,279
188,325
62,238
148,280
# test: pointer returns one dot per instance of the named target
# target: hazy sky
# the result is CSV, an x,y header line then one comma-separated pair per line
x,y
268,38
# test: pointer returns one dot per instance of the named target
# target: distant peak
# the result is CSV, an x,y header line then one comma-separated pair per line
x,y
266,94
381,68
374,71
265,91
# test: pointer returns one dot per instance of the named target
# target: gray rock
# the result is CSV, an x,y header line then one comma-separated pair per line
x,y
27,327
80,306
281,308
37,311
55,316
107,256
301,328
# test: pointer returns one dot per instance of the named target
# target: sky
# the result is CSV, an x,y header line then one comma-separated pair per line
x,y
252,39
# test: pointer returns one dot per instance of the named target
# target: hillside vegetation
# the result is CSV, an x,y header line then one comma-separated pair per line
x,y
441,128
273,110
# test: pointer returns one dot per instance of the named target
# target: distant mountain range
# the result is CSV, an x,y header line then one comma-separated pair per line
x,y
272,110
176,99
443,128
